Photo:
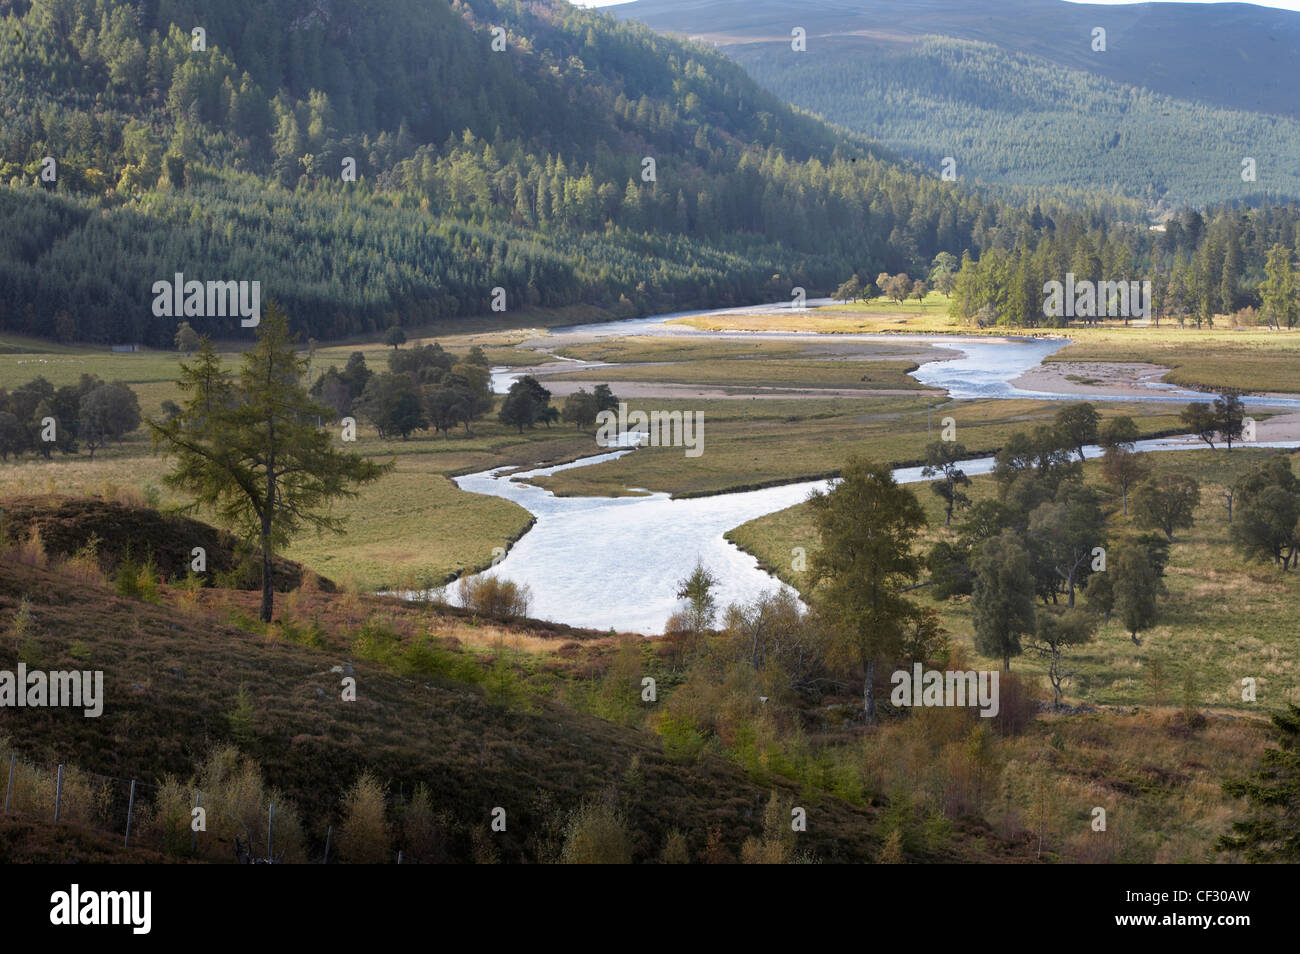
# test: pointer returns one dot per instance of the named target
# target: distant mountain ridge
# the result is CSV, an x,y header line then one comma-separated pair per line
x,y
1013,90
1236,55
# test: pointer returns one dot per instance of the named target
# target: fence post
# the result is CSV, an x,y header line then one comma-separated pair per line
x,y
194,835
58,793
130,809
13,759
270,832
329,832
399,857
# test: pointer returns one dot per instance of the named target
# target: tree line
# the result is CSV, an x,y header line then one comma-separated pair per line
x,y
38,418
423,387
1240,263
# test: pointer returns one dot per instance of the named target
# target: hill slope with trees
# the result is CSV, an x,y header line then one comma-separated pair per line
x,y
137,142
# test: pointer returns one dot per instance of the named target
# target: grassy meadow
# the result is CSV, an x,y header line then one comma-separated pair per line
x,y
412,527
416,527
1223,618
752,443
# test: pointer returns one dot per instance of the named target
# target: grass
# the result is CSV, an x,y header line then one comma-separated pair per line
x,y
879,316
1249,359
413,527
643,348
1222,620
1158,780
765,374
756,443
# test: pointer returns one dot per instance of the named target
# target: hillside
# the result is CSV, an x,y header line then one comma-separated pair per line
x,y
457,715
526,171
1016,95
1020,120
173,676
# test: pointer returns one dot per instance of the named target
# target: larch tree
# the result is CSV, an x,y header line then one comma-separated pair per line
x,y
249,451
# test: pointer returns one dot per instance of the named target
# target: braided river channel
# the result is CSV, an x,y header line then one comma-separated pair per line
x,y
614,562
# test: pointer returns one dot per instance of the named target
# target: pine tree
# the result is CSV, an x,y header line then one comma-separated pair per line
x,y
1278,290
1272,832
866,525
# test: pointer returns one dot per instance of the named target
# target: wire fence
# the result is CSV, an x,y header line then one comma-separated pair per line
x,y
180,821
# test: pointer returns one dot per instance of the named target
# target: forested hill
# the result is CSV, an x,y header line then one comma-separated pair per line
x,y
1020,120
1236,55
1014,91
133,151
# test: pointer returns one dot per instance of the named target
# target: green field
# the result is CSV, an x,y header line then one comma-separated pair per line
x,y
1248,359
767,373
412,527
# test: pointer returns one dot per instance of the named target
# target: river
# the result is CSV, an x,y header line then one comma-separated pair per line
x,y
614,562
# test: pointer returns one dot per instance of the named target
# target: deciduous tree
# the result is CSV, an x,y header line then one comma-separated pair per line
x,y
1167,502
1002,598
